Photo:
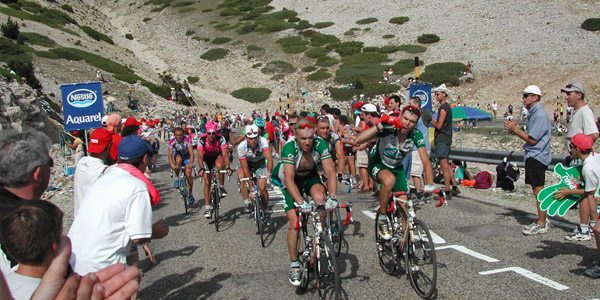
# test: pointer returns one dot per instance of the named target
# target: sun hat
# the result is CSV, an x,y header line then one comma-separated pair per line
x,y
99,140
441,88
132,147
533,89
574,87
582,141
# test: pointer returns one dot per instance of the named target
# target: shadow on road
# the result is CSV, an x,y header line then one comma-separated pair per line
x,y
146,265
173,286
228,219
550,249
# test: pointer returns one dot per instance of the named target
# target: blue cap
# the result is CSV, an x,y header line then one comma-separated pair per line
x,y
132,147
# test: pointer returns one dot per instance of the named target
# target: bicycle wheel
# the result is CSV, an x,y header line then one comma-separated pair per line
x,y
216,203
184,195
304,260
421,262
258,218
387,252
327,273
335,230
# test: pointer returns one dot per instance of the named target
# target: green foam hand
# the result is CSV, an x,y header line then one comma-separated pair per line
x,y
570,178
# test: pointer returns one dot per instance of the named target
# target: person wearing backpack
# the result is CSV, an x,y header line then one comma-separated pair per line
x,y
537,151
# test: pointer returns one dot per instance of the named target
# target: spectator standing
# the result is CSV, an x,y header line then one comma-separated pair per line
x,y
494,109
416,169
25,168
537,151
582,121
443,138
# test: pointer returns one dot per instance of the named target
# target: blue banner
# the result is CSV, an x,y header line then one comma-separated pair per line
x,y
423,91
82,105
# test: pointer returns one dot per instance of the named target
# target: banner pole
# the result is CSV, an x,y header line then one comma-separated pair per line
x,y
85,134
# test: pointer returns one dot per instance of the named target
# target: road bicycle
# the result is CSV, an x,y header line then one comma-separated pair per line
x,y
259,212
215,193
183,189
411,244
318,253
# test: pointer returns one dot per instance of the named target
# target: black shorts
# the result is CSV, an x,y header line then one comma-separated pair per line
x,y
535,172
209,161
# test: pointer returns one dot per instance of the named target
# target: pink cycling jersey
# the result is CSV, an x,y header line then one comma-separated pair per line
x,y
212,149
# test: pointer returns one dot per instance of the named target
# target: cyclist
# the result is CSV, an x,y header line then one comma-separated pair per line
x,y
212,151
334,144
396,136
181,153
296,173
255,158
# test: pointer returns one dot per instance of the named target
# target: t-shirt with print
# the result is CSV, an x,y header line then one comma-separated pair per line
x,y
256,156
212,149
390,151
444,134
591,172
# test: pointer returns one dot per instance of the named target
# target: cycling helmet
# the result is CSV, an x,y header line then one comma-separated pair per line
x,y
211,126
251,131
260,122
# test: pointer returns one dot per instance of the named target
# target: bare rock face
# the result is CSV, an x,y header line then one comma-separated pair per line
x,y
20,107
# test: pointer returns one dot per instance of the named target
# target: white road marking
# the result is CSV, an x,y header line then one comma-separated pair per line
x,y
468,251
434,236
526,273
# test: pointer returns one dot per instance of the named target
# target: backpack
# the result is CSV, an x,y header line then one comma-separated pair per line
x,y
506,174
484,180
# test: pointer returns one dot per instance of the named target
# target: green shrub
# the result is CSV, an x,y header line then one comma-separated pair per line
x,y
186,9
294,19
369,90
405,66
308,69
255,51
130,78
221,40
321,25
67,7
365,58
189,32
428,38
184,3
278,66
318,39
351,31
257,65
367,21
129,36
388,49
10,49
388,36
592,24
214,54
46,54
399,20
367,29
10,29
326,61
272,25
92,59
348,48
24,68
146,19
199,38
253,95
447,73
317,52
193,79
207,10
98,36
38,39
319,76
412,49
35,12
293,44
303,24
367,73
246,28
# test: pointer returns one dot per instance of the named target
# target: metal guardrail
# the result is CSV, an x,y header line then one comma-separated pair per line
x,y
495,157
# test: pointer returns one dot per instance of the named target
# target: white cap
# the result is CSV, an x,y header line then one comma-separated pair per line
x,y
105,120
251,131
369,107
441,88
533,89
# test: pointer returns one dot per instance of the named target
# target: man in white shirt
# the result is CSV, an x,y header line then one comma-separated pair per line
x,y
116,210
90,168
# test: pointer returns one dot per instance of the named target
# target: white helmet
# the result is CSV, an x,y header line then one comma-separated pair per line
x,y
251,131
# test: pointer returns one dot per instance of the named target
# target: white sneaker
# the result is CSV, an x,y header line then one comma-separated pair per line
x,y
535,228
208,211
579,236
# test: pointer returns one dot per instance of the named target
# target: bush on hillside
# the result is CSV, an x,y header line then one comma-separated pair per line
x,y
129,36
253,95
321,25
365,58
303,24
399,20
364,72
319,75
317,52
193,79
98,36
388,36
24,68
367,21
592,24
215,54
405,66
10,29
293,44
447,73
412,49
308,69
146,19
348,48
67,7
221,40
369,90
278,66
37,39
326,61
428,38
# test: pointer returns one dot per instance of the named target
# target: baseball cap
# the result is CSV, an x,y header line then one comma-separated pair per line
x,y
131,121
132,147
99,140
251,131
574,87
533,89
105,121
369,107
357,104
582,141
150,123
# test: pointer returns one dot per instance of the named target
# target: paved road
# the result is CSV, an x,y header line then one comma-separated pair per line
x,y
481,253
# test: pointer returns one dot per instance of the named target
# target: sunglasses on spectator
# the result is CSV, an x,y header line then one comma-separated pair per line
x,y
526,95
211,133
292,123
